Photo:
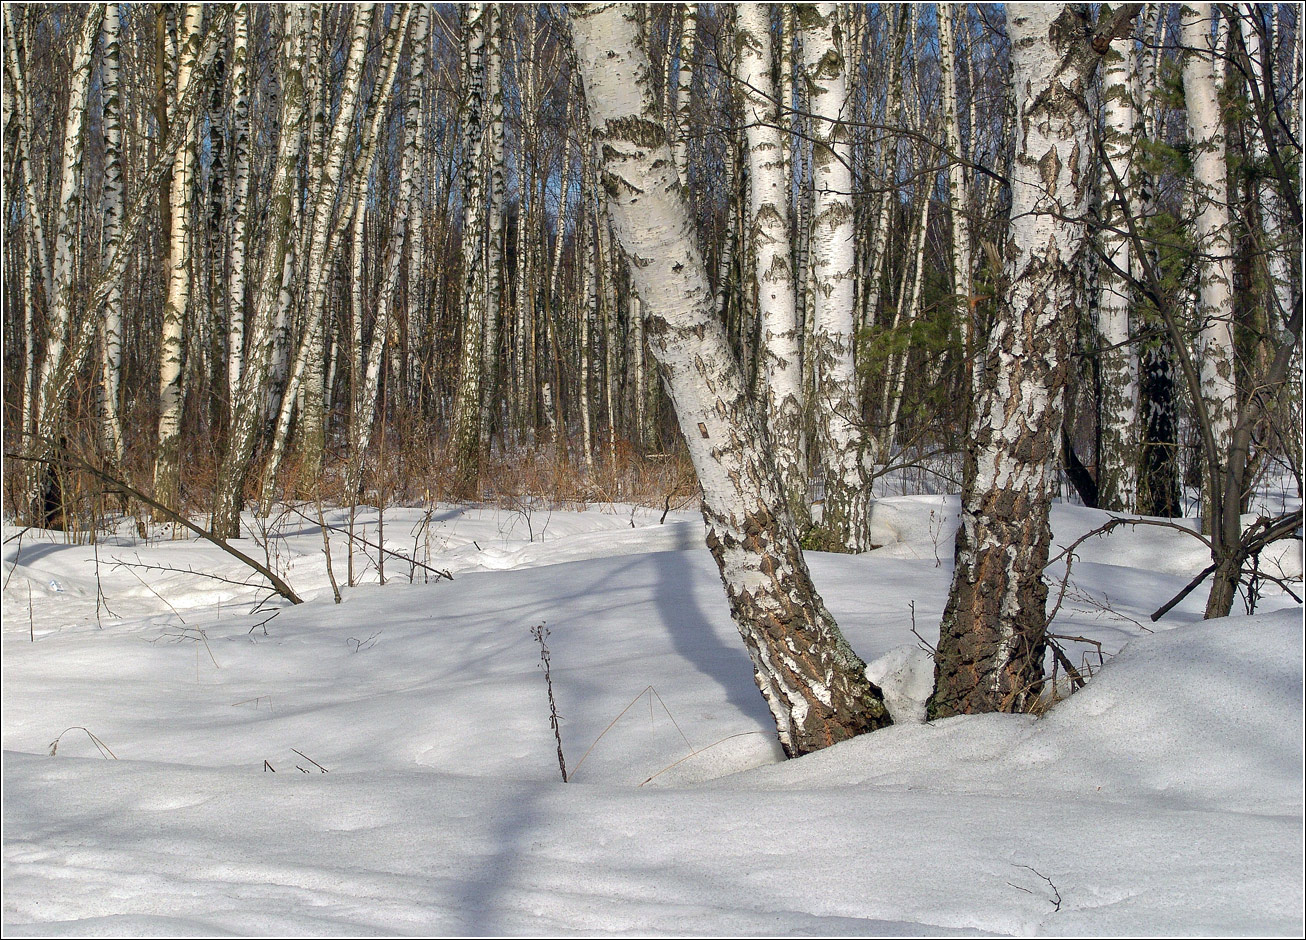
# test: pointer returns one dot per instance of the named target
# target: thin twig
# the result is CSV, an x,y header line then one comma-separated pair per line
x,y
310,760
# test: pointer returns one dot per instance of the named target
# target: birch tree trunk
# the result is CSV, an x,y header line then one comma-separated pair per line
x,y
839,438
958,187
273,288
364,412
318,258
1211,237
1275,248
240,195
813,682
1117,357
493,279
172,347
1158,481
991,641
773,268
465,441
893,109
682,104
112,205
61,347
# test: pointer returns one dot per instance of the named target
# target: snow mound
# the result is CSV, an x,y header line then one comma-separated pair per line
x,y
1204,716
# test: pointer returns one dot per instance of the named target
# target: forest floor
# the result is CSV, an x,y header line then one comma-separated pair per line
x,y
229,765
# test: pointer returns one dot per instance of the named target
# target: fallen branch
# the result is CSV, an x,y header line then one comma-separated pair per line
x,y
278,585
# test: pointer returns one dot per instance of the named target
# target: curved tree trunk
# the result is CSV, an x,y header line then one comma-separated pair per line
x,y
813,682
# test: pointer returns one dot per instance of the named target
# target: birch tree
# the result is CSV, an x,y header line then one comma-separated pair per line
x,y
958,185
1211,238
773,274
61,348
465,443
271,294
317,258
992,638
364,410
813,682
1117,356
112,203
172,351
838,436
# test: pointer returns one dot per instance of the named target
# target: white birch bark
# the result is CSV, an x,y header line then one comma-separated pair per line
x,y
172,347
773,273
839,439
991,643
494,231
1211,235
812,680
15,69
682,102
1117,359
467,400
272,293
240,194
58,355
112,207
316,257
958,186
364,413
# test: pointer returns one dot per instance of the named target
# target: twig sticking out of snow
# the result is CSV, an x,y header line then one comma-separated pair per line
x,y
540,633
100,745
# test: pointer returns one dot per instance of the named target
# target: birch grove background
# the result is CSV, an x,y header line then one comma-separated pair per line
x,y
362,254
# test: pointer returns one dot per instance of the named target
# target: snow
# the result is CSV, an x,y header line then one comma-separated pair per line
x,y
1165,797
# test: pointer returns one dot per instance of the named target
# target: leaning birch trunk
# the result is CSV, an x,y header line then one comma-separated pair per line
x,y
269,298
61,353
1212,239
813,682
991,641
1117,360
773,267
839,439
172,346
112,205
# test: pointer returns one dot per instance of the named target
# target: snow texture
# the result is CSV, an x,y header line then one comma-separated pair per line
x,y
1166,797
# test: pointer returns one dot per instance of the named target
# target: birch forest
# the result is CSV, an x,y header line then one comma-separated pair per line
x,y
782,259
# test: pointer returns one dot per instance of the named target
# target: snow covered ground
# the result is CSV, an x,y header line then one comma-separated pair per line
x,y
188,795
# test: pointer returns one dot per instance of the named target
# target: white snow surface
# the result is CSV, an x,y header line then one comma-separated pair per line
x,y
1163,798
